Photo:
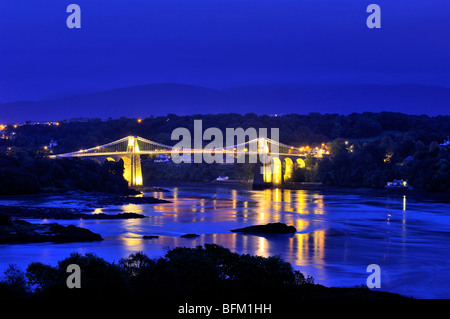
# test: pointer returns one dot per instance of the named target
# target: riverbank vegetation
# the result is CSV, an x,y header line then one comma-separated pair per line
x,y
26,172
372,164
295,129
207,273
368,149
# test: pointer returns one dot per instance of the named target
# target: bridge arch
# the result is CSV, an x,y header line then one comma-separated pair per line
x,y
300,162
288,169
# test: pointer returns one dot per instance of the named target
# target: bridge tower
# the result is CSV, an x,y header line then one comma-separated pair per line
x,y
268,171
132,163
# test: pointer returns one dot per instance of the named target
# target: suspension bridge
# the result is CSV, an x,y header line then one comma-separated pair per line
x,y
277,170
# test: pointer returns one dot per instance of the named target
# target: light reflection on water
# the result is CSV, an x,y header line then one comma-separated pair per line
x,y
338,235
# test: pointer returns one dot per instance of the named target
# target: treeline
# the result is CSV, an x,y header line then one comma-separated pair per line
x,y
370,164
25,172
211,273
381,147
373,164
295,129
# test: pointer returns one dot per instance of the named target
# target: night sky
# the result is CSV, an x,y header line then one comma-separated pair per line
x,y
218,44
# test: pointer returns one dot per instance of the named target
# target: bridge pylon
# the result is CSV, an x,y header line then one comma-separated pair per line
x,y
132,163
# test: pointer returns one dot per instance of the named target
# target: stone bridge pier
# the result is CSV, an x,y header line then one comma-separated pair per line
x,y
276,172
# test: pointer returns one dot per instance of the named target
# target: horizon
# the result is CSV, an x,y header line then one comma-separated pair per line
x,y
161,99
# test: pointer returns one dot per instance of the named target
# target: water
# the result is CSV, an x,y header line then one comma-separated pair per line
x,y
338,234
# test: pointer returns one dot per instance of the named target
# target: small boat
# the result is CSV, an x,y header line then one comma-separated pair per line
x,y
397,183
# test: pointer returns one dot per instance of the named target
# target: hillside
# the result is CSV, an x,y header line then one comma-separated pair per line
x,y
162,99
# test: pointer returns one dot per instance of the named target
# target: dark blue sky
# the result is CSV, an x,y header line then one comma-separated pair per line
x,y
218,44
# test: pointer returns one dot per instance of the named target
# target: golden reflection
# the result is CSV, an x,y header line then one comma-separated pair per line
x,y
404,202
268,194
319,244
202,205
276,170
271,203
234,198
133,242
319,201
287,200
301,225
246,210
303,248
301,202
263,247
132,238
277,195
287,196
133,208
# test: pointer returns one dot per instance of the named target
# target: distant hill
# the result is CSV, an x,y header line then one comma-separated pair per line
x,y
161,99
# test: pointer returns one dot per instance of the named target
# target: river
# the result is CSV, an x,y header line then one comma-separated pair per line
x,y
338,234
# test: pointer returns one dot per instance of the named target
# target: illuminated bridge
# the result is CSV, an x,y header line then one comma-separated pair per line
x,y
274,170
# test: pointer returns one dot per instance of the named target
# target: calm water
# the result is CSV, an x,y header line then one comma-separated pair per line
x,y
338,235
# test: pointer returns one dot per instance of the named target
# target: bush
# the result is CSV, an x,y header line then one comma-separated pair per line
x,y
209,270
